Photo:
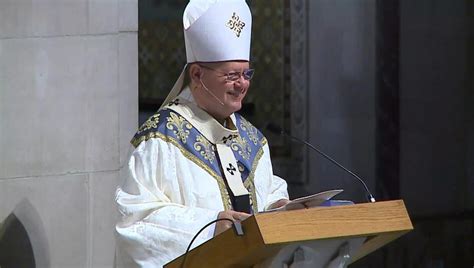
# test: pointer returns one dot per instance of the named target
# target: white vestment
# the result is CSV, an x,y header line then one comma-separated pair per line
x,y
170,191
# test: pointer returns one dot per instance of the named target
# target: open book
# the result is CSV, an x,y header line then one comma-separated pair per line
x,y
308,201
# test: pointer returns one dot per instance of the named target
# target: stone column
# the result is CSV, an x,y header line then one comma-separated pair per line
x,y
68,107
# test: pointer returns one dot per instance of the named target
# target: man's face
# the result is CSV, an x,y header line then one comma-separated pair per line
x,y
228,95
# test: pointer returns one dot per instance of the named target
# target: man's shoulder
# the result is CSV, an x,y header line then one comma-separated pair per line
x,y
157,126
248,130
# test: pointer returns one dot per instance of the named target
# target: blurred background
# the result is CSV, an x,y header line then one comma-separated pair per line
x,y
383,86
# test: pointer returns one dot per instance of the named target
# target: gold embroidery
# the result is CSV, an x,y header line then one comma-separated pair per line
x,y
249,182
205,148
229,202
242,147
220,182
263,141
135,142
179,126
235,24
152,122
241,167
251,130
222,187
239,143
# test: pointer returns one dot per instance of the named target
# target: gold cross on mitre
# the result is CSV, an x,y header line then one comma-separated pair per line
x,y
235,24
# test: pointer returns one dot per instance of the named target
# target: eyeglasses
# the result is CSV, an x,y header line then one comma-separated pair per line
x,y
247,74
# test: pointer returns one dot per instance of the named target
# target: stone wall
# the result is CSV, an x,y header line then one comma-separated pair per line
x,y
341,114
68,107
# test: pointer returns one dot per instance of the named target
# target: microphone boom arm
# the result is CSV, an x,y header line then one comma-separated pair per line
x,y
370,197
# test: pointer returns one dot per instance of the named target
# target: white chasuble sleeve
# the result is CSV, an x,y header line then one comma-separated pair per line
x,y
164,200
270,188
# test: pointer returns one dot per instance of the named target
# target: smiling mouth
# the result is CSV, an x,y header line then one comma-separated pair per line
x,y
234,93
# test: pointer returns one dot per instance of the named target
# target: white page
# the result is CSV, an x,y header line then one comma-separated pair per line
x,y
308,201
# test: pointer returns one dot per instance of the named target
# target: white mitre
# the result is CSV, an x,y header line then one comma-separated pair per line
x,y
214,30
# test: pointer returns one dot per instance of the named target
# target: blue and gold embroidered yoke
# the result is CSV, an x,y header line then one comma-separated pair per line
x,y
247,146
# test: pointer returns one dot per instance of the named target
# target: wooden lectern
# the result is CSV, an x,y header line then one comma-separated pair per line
x,y
266,233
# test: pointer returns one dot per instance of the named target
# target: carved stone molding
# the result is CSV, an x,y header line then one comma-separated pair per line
x,y
299,87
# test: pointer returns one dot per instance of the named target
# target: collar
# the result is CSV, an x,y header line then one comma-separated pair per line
x,y
215,132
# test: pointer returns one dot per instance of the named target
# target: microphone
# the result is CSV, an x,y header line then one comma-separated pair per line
x,y
278,130
210,92
237,227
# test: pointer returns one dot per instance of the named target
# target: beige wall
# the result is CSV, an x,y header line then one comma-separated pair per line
x,y
68,107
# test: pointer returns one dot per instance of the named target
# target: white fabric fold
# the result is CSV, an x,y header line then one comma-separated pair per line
x,y
166,198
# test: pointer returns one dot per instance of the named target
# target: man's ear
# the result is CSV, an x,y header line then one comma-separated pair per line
x,y
195,73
